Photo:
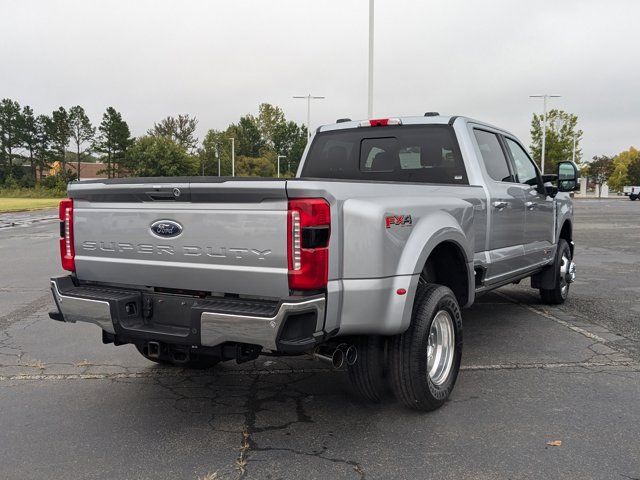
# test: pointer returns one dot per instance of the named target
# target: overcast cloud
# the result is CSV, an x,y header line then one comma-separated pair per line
x,y
218,60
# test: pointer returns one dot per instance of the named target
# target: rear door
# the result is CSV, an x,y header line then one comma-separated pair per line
x,y
539,207
209,236
506,209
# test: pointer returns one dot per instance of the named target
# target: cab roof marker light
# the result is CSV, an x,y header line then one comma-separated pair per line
x,y
380,122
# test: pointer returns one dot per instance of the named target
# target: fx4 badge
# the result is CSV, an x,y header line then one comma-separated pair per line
x,y
398,220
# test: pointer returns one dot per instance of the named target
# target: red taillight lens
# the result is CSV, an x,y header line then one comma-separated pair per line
x,y
308,227
67,250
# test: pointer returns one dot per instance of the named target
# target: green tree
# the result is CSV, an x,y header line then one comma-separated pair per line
x,y
619,178
29,137
254,167
633,171
82,132
247,136
42,152
158,156
59,135
181,130
114,138
269,119
10,132
216,145
561,131
290,140
600,169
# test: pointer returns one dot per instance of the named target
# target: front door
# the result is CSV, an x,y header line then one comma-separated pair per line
x,y
506,211
539,214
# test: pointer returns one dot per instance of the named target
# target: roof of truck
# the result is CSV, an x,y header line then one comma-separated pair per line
x,y
410,120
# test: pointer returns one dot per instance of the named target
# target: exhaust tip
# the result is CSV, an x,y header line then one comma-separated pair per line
x,y
337,359
351,355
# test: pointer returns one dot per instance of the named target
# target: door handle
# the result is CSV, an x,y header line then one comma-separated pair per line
x,y
530,205
500,205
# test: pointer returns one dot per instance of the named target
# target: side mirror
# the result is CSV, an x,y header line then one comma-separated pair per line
x,y
568,177
547,186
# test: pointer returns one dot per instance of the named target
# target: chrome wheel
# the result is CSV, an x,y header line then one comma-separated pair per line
x,y
567,275
440,347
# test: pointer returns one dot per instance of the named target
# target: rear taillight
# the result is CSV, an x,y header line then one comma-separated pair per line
x,y
308,230
67,250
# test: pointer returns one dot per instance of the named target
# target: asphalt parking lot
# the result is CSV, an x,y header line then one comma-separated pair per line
x,y
71,407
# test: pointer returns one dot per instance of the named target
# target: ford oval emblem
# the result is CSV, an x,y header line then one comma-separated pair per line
x,y
166,228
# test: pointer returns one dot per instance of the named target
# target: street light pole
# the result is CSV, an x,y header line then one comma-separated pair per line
x,y
309,98
544,125
279,157
233,157
573,155
370,99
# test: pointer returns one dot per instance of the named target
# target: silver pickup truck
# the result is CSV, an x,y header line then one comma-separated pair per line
x,y
364,259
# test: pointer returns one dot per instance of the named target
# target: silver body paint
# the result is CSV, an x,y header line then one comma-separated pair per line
x,y
234,239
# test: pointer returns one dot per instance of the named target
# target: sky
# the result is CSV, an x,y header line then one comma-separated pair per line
x,y
218,60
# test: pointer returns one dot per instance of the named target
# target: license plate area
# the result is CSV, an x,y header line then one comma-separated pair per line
x,y
167,310
162,316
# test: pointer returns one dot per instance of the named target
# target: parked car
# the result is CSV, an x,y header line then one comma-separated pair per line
x,y
364,259
633,192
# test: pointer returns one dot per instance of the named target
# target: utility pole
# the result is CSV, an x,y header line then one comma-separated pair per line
x,y
370,93
309,98
544,125
573,155
279,157
233,157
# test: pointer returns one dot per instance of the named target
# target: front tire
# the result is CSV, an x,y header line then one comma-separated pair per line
x,y
564,272
633,197
425,360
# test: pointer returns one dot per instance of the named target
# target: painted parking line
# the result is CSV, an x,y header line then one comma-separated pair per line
x,y
158,373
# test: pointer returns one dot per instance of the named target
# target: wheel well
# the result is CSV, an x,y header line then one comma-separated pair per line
x,y
566,234
446,266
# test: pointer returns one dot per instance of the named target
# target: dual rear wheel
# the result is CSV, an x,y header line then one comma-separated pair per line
x,y
420,365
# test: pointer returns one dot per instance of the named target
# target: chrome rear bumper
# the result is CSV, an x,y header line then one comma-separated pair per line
x,y
76,309
291,324
217,328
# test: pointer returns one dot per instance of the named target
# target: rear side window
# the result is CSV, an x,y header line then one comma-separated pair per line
x,y
421,154
493,156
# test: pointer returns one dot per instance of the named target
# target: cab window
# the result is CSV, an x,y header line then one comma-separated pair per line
x,y
493,156
525,170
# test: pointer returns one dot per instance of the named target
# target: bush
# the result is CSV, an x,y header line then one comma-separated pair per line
x,y
56,183
36,192
159,157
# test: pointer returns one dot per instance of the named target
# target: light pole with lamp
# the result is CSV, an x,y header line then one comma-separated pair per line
x,y
279,157
233,157
309,98
544,125
370,93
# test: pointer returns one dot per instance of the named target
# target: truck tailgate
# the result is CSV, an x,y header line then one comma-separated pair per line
x,y
230,235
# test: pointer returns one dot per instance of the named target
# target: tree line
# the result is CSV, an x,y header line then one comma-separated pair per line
x,y
563,138
169,148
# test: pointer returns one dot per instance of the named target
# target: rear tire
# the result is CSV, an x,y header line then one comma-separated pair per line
x,y
633,197
368,374
560,292
200,362
425,360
